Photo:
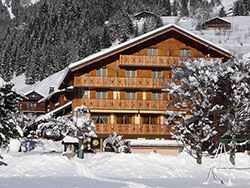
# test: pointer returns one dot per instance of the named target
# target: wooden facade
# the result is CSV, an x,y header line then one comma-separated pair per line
x,y
216,24
31,104
122,87
59,99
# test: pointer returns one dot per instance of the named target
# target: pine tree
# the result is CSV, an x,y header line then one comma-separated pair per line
x,y
105,40
166,5
222,12
8,128
175,8
184,8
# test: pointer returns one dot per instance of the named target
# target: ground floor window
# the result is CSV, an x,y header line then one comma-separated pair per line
x,y
124,119
149,119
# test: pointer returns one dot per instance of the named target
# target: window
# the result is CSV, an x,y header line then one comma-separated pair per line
x,y
131,95
104,72
184,53
133,73
156,74
98,72
152,52
130,73
101,95
100,119
104,94
127,73
128,95
98,94
149,120
32,105
154,96
123,119
157,96
101,72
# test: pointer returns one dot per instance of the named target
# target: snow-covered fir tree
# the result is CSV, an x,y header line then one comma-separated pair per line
x,y
8,127
194,90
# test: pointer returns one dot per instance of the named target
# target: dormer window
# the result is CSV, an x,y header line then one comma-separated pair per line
x,y
152,52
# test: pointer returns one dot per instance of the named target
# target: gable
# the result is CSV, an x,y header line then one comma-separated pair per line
x,y
217,21
34,96
137,44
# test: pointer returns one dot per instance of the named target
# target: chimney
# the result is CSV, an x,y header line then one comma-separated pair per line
x,y
51,90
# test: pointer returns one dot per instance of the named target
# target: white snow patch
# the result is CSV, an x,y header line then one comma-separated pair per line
x,y
9,8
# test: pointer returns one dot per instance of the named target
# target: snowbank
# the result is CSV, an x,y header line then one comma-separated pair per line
x,y
147,170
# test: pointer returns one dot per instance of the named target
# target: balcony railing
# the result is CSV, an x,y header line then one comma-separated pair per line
x,y
161,61
133,129
138,60
94,81
111,104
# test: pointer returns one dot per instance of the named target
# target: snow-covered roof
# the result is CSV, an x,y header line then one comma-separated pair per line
x,y
137,14
217,18
134,41
155,143
69,139
51,113
2,82
42,87
50,95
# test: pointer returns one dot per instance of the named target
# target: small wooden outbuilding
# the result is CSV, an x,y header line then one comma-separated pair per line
x,y
71,144
143,15
216,23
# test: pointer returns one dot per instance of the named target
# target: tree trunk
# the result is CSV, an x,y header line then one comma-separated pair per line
x,y
232,152
199,156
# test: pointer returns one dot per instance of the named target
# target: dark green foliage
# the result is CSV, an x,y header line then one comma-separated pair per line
x,y
46,37
222,12
8,101
241,8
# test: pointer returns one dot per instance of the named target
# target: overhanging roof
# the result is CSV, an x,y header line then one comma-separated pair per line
x,y
133,42
219,19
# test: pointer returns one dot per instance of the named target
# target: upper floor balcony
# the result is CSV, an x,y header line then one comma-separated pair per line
x,y
111,104
133,129
121,82
155,61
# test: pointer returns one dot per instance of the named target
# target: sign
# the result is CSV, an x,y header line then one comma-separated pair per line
x,y
95,143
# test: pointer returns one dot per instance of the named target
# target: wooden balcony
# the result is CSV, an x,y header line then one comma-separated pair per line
x,y
133,129
111,104
155,61
161,61
122,82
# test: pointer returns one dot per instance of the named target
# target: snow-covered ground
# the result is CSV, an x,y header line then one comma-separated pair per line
x,y
46,167
236,40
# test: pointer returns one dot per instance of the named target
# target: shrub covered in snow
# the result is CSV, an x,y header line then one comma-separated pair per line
x,y
77,125
114,143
